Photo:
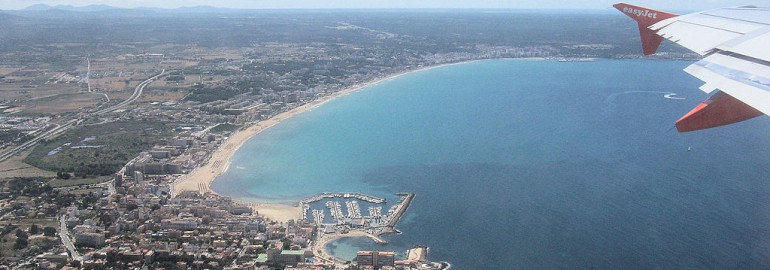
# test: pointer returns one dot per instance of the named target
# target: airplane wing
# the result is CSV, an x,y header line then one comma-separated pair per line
x,y
736,66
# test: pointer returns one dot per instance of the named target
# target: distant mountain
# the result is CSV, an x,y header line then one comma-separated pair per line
x,y
5,17
38,7
102,8
89,8
194,9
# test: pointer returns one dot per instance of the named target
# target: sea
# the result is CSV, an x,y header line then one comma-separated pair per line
x,y
531,164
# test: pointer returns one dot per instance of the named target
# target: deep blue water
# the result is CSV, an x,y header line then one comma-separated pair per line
x,y
532,164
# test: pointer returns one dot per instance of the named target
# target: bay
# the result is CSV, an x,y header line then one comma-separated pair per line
x,y
531,164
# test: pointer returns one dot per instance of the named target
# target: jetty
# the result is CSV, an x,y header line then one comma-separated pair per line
x,y
355,195
400,209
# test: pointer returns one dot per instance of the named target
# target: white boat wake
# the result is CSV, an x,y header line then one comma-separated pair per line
x,y
668,95
672,96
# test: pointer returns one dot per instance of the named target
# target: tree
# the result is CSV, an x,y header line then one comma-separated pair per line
x,y
20,243
34,229
22,239
49,231
63,175
21,234
286,244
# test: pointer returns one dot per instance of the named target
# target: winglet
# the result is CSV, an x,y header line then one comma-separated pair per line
x,y
718,110
645,17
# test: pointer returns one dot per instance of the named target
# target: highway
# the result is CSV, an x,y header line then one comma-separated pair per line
x,y
69,124
137,93
55,131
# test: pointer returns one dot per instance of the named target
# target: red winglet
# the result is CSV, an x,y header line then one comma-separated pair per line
x,y
718,110
645,17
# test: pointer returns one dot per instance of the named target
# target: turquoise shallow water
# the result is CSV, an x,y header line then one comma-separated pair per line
x,y
532,164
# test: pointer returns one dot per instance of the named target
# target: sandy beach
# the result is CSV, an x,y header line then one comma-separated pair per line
x,y
318,246
200,179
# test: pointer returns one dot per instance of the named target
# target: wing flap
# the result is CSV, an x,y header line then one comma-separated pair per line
x,y
754,45
741,30
698,38
751,14
742,79
707,88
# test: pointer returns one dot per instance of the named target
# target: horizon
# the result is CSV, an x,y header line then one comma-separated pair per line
x,y
377,4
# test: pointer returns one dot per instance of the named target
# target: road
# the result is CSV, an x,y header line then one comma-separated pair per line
x,y
69,124
55,131
65,238
137,93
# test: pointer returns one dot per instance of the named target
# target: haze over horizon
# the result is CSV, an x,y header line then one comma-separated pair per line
x,y
384,4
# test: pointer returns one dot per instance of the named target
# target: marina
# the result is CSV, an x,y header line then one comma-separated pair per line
x,y
348,219
336,211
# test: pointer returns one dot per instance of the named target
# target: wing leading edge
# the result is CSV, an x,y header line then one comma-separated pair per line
x,y
736,68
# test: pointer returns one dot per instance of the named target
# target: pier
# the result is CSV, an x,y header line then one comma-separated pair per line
x,y
406,199
327,195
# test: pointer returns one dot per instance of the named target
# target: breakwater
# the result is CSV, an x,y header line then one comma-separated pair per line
x,y
400,209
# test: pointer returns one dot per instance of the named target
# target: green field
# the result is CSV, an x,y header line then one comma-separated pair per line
x,y
98,150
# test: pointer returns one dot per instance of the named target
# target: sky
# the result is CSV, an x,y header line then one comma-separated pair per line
x,y
672,5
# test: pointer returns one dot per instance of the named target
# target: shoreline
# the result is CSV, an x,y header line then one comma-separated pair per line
x,y
318,247
201,178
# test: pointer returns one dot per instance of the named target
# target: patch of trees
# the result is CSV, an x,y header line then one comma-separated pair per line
x,y
101,169
206,94
7,136
27,186
175,78
63,175
49,231
225,127
8,229
121,141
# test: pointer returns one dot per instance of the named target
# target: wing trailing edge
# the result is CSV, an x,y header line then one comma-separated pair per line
x,y
645,18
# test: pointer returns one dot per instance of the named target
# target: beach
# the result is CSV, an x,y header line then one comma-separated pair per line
x,y
200,178
319,244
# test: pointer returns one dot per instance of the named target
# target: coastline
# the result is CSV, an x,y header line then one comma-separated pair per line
x,y
200,178
318,247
